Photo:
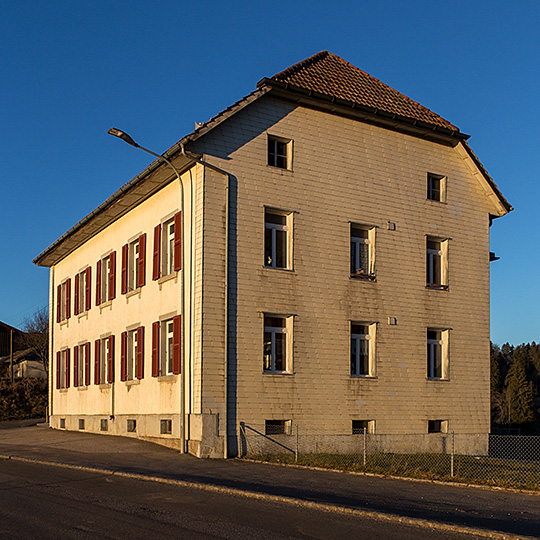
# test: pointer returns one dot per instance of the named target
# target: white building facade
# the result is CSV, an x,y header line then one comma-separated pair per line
x,y
322,260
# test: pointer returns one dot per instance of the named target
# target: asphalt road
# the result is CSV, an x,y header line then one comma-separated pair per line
x,y
46,502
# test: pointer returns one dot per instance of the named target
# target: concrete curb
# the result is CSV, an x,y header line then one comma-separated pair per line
x,y
370,514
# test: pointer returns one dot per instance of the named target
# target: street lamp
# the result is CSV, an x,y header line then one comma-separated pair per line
x,y
129,140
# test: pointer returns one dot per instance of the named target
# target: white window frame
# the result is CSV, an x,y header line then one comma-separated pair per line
x,y
432,192
276,158
63,300
103,359
270,260
81,308
62,369
437,345
166,347
81,359
105,278
370,342
133,264
269,364
132,345
167,247
434,257
357,243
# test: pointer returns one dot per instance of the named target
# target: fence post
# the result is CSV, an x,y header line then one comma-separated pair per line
x,y
452,458
296,453
365,443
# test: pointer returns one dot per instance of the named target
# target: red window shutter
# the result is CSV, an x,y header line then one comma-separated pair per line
x,y
98,283
123,351
155,349
87,364
97,352
178,241
58,357
76,296
58,303
140,352
87,291
177,343
123,286
157,252
68,298
75,366
142,261
112,276
67,368
110,360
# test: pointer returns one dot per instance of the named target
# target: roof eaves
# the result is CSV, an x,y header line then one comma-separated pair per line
x,y
142,176
364,108
507,206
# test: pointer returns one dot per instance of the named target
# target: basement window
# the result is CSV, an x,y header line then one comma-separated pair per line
x,y
81,423
361,426
104,424
278,427
437,426
166,427
131,426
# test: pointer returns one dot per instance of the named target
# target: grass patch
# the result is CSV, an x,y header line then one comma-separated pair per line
x,y
467,469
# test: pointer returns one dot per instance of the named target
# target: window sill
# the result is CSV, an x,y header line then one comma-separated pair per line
x,y
436,201
132,382
366,377
279,373
168,277
437,287
436,379
372,278
62,390
104,386
282,169
105,305
63,322
166,378
134,292
82,315
279,268
82,388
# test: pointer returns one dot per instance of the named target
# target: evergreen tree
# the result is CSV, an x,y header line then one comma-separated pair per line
x,y
519,394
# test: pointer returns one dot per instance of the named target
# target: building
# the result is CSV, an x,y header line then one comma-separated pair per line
x,y
323,262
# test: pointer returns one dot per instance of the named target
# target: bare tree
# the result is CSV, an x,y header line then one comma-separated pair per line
x,y
36,338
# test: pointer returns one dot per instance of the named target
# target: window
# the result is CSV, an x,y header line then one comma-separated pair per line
x,y
362,251
106,278
359,427
81,365
437,426
436,263
132,354
279,152
166,346
436,187
81,423
82,291
104,425
63,301
104,360
277,239
277,348
166,427
167,255
62,423
131,425
277,427
62,369
134,264
363,349
437,354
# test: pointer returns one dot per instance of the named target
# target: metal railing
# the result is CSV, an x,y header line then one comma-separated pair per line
x,y
499,460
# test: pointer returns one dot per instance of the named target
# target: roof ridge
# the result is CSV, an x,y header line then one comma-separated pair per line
x,y
302,64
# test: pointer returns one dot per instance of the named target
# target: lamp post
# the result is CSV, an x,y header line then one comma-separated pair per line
x,y
126,138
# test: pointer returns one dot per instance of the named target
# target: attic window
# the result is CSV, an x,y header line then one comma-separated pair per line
x,y
436,187
279,152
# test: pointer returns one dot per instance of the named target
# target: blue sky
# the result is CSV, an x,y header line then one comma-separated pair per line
x,y
70,70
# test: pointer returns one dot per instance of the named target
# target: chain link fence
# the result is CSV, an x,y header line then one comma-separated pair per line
x,y
498,460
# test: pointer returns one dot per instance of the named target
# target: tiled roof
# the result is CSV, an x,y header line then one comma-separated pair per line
x,y
327,74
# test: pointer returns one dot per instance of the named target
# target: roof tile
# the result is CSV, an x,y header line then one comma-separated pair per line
x,y
330,75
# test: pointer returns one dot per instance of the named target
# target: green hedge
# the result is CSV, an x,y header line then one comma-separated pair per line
x,y
23,399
